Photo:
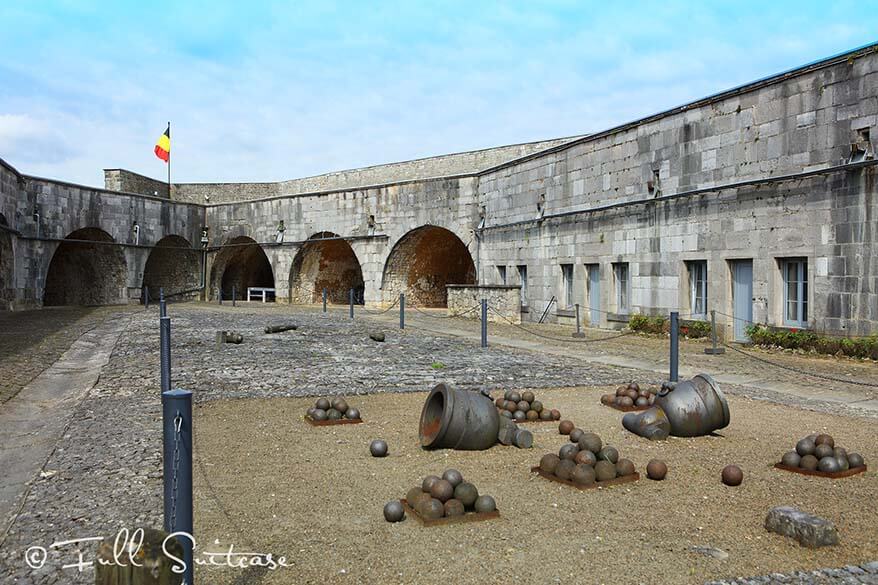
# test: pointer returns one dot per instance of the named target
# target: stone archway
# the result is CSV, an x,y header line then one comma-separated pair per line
x,y
173,266
240,263
87,269
423,261
326,261
7,266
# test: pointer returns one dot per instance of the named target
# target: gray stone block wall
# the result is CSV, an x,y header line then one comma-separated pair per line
x,y
129,182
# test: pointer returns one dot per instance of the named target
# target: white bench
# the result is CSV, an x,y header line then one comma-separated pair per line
x,y
257,291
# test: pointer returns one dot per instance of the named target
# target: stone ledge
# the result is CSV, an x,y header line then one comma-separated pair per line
x,y
811,531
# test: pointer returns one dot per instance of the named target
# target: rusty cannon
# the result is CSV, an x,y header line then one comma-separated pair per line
x,y
466,420
686,409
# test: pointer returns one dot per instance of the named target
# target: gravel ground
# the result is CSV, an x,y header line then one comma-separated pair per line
x,y
106,470
315,494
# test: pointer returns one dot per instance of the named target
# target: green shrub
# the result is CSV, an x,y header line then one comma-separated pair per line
x,y
662,325
695,329
861,347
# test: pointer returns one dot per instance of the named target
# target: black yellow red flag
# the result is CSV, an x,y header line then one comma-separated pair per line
x,y
163,145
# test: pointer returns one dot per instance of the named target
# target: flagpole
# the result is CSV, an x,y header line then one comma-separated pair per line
x,y
169,161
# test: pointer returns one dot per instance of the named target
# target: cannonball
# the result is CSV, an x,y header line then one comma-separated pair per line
x,y
621,390
528,396
514,396
565,426
840,453
556,414
511,406
805,447
432,509
546,415
608,399
828,464
609,454
519,416
506,413
575,435
537,405
656,469
824,439
378,448
634,386
645,392
352,413
624,467
641,401
500,402
592,442
419,500
625,401
808,462
565,469
393,511
310,411
485,504
523,405
823,450
583,474
340,405
322,404
549,462
843,463
532,415
452,476
791,458
507,394
856,460
466,493
442,490
333,414
585,457
732,475
633,395
605,470
413,494
568,451
454,508
318,414
428,482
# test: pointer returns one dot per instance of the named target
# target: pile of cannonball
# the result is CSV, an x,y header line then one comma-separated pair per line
x,y
630,395
447,496
523,406
323,409
585,459
818,452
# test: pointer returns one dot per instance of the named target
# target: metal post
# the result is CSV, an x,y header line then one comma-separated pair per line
x,y
402,310
177,451
234,294
675,346
324,300
145,296
165,351
484,322
713,350
351,302
579,332
219,294
163,304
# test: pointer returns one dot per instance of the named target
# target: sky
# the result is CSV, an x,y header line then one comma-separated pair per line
x,y
267,91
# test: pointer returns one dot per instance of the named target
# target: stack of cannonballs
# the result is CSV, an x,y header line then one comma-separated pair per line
x,y
338,409
524,406
630,395
818,452
585,460
447,496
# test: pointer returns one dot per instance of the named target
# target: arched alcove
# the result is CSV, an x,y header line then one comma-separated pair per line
x,y
86,269
325,261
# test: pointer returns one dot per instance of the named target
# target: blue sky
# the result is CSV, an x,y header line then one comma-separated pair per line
x,y
261,91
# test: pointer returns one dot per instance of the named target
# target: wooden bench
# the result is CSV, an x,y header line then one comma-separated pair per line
x,y
257,291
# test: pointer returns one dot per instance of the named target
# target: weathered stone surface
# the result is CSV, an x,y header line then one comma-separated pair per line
x,y
376,336
811,531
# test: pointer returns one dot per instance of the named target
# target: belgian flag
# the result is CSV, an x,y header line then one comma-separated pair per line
x,y
163,145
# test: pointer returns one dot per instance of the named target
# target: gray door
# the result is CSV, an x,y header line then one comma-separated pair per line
x,y
742,297
594,294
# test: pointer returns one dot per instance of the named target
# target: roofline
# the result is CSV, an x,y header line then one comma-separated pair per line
x,y
713,98
108,191
8,166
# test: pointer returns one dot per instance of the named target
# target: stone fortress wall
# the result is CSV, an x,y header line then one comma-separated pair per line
x,y
774,173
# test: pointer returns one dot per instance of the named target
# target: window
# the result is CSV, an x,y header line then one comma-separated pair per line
x,y
620,272
567,277
795,286
501,270
522,278
698,288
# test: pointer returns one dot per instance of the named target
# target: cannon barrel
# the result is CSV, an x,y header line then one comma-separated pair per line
x,y
687,409
458,419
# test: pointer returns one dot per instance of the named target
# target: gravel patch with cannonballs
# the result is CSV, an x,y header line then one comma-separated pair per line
x,y
317,495
524,407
